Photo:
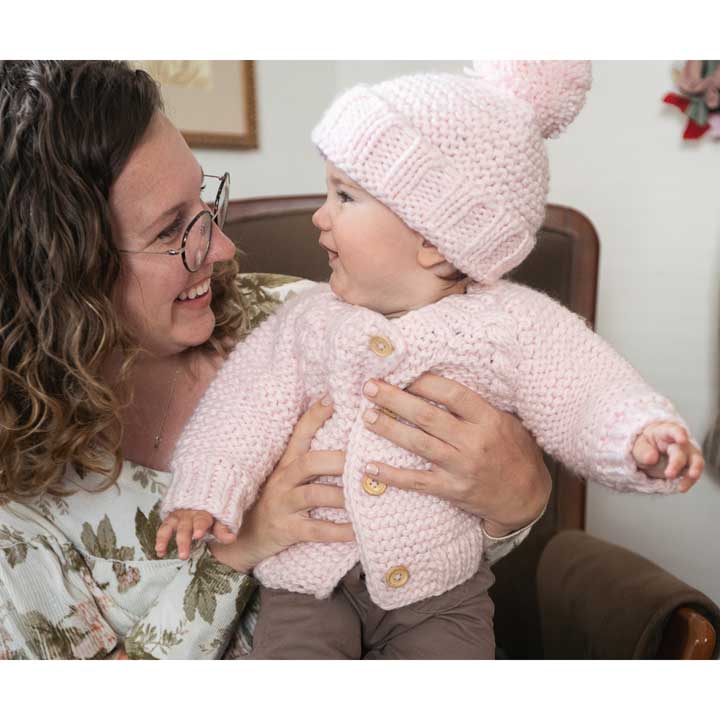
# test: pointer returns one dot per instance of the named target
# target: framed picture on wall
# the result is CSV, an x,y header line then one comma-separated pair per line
x,y
212,102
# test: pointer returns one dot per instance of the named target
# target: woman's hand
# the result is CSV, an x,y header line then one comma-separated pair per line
x,y
280,516
484,461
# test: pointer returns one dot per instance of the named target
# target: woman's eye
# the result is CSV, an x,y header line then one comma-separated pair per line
x,y
171,230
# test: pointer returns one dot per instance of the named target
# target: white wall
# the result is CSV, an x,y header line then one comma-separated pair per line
x,y
290,99
654,201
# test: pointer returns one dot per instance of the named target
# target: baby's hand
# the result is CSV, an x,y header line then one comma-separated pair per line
x,y
663,450
189,525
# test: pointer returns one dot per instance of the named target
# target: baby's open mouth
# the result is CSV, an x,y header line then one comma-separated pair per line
x,y
331,253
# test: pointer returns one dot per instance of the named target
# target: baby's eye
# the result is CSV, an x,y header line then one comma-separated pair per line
x,y
344,197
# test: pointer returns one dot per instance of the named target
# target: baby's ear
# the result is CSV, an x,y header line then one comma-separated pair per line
x,y
429,256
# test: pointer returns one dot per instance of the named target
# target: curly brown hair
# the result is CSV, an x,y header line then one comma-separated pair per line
x,y
66,131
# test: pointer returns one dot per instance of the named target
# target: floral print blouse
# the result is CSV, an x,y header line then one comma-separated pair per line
x,y
79,577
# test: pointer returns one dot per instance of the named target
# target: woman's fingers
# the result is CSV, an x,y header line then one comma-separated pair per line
x,y
315,495
323,531
310,465
433,420
279,516
413,439
484,460
459,399
422,481
304,432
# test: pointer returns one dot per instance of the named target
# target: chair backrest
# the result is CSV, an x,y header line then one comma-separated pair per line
x,y
276,235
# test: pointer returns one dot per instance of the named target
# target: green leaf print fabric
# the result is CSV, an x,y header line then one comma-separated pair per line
x,y
79,577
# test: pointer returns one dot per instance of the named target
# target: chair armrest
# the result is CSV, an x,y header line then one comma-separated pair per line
x,y
601,601
689,636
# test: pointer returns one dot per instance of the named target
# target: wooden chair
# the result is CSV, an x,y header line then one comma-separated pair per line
x,y
535,595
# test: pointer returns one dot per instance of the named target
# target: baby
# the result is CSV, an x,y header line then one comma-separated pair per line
x,y
436,189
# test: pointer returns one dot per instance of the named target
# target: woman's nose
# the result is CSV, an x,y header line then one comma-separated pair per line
x,y
222,248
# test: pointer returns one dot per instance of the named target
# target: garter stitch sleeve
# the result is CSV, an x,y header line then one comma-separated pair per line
x,y
584,403
241,425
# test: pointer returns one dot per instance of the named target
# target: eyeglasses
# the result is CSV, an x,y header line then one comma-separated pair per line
x,y
198,233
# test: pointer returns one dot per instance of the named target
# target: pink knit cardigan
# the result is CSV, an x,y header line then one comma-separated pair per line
x,y
518,348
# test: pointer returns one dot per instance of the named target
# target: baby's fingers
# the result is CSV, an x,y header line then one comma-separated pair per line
x,y
164,534
201,523
696,465
677,433
645,452
665,434
223,533
677,460
183,536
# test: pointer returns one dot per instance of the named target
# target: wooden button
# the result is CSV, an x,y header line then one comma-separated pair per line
x,y
396,577
372,486
381,346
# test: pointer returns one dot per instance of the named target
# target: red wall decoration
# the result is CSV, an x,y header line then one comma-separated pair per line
x,y
699,98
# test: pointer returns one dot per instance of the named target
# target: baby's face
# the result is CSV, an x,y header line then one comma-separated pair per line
x,y
372,252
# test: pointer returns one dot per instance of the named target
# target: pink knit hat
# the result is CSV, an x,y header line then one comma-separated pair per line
x,y
460,158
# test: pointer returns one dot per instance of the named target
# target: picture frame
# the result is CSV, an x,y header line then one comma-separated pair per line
x,y
211,102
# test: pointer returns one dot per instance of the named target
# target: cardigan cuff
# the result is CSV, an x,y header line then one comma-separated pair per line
x,y
615,467
214,484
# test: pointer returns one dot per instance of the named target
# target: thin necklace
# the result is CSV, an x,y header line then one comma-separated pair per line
x,y
158,437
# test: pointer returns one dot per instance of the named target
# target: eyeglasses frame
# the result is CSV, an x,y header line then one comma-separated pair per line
x,y
214,215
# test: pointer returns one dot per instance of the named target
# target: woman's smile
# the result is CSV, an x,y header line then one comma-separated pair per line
x,y
198,294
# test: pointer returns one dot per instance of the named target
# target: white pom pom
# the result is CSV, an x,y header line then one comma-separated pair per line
x,y
556,89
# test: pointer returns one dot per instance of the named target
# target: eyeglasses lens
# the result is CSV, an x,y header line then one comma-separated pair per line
x,y
198,242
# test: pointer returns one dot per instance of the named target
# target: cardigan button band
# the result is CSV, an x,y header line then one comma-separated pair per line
x,y
372,486
381,346
396,577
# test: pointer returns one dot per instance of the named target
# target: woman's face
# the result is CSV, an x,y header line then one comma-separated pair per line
x,y
151,203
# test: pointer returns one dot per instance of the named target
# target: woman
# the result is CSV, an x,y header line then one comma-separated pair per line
x,y
109,336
